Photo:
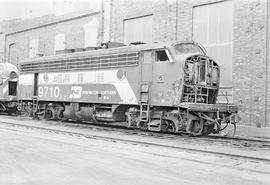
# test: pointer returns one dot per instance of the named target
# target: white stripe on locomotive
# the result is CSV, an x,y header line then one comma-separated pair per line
x,y
122,85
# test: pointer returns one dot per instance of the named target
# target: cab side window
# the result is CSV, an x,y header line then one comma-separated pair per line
x,y
161,56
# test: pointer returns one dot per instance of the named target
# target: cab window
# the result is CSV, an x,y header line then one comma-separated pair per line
x,y
12,88
161,56
187,48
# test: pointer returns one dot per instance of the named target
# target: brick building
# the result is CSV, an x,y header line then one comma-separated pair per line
x,y
235,33
45,35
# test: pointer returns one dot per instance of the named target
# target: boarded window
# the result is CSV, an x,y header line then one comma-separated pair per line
x,y
213,27
91,33
107,20
33,48
138,30
12,55
59,42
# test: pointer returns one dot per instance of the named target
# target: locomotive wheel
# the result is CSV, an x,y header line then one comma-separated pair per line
x,y
208,129
172,128
164,126
142,125
45,114
195,126
9,112
132,117
168,126
132,121
26,110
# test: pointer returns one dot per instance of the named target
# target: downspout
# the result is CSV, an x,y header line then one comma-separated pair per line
x,y
8,58
266,62
5,43
111,14
102,22
176,19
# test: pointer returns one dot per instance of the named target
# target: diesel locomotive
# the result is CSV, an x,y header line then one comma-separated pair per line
x,y
8,88
167,87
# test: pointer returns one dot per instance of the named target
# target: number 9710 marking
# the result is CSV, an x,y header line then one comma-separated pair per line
x,y
48,92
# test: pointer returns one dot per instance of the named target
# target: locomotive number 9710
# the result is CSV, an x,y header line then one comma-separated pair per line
x,y
48,92
165,87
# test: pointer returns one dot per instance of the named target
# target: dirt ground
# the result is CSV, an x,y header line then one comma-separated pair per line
x,y
42,158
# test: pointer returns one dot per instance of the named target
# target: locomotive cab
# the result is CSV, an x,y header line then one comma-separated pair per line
x,y
200,86
201,80
200,73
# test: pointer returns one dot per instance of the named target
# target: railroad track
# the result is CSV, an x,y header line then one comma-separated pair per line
x,y
238,138
130,141
211,139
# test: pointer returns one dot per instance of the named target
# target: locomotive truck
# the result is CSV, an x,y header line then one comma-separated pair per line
x,y
164,87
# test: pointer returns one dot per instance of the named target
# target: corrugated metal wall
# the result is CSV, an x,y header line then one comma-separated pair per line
x,y
213,27
33,48
59,42
138,29
91,33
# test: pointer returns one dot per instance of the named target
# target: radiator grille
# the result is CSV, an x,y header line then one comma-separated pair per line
x,y
93,62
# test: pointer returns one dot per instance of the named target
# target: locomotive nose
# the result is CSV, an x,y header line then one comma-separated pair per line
x,y
201,79
201,70
8,71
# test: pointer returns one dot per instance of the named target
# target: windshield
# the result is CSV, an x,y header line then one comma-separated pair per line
x,y
187,48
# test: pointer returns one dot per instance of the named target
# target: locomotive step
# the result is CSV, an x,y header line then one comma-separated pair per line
x,y
154,125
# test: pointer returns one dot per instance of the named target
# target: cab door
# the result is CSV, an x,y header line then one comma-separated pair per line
x,y
35,93
166,74
146,76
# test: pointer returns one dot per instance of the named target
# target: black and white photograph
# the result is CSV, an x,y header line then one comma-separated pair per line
x,y
135,92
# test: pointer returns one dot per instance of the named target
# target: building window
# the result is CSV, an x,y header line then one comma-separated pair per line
x,y
107,20
33,48
138,30
12,54
91,33
59,42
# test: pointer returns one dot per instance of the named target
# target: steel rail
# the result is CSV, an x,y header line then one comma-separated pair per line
x,y
113,139
237,138
120,128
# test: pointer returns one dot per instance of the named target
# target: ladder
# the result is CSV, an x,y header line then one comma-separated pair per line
x,y
34,104
144,105
144,112
20,104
